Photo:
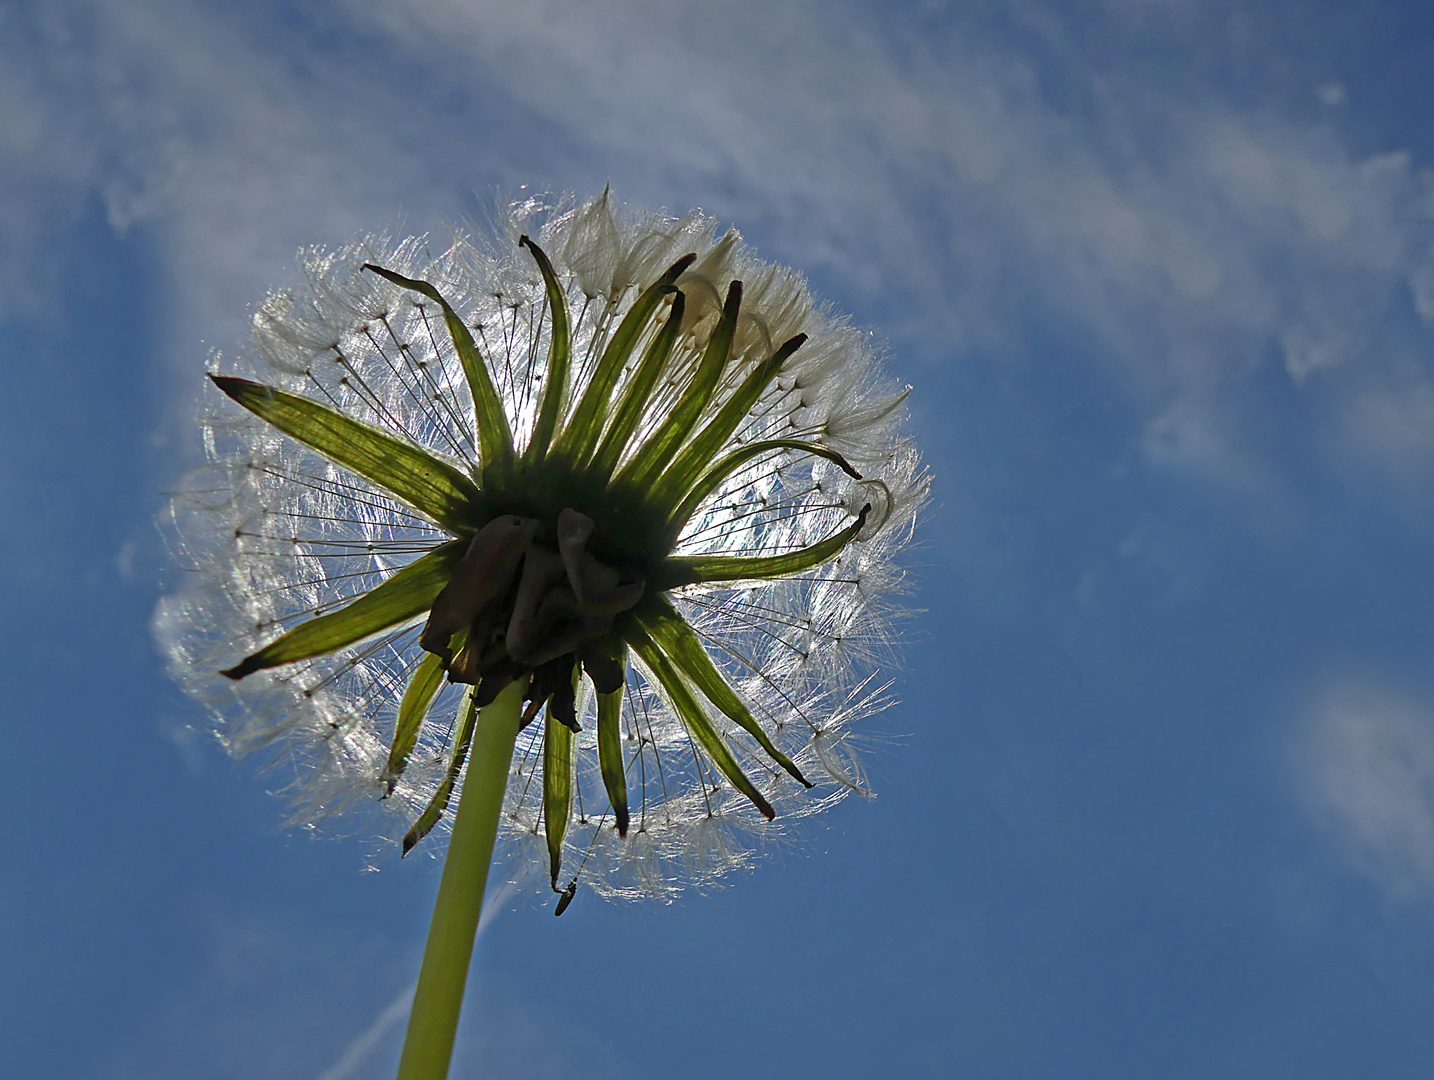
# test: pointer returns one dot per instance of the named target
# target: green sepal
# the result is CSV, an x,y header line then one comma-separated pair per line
x,y
609,741
648,462
578,437
433,812
422,688
495,437
720,470
559,357
695,458
680,697
407,472
691,569
557,788
680,642
639,390
408,593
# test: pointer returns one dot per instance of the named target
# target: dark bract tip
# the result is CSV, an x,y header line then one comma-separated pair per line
x,y
239,670
229,384
566,898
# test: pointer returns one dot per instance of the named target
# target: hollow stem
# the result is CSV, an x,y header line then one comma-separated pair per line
x,y
436,1003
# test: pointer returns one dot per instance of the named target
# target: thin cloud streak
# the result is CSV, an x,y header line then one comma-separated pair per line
x,y
358,1052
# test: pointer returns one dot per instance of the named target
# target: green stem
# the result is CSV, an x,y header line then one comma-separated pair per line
x,y
436,1003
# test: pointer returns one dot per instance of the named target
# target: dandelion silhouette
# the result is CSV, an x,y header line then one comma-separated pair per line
x,y
596,529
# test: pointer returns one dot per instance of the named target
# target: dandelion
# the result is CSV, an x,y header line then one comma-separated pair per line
x,y
593,533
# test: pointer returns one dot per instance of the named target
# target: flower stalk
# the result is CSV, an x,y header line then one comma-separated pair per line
x,y
438,999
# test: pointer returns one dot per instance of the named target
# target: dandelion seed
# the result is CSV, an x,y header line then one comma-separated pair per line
x,y
620,498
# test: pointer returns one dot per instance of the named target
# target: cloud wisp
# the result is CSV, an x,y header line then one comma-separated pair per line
x,y
1367,774
358,1052
1194,242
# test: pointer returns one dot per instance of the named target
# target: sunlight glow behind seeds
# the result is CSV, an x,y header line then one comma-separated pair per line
x,y
626,461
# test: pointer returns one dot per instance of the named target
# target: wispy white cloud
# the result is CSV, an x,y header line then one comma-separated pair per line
x,y
208,132
1366,769
1195,244
1193,241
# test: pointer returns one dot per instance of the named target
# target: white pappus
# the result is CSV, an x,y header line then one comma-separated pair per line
x,y
687,461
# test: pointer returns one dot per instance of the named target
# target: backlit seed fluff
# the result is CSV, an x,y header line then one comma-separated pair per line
x,y
608,454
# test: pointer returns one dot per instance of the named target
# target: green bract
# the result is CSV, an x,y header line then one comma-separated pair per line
x,y
623,465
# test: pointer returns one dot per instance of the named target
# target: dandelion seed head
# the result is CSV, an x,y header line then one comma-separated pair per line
x,y
276,534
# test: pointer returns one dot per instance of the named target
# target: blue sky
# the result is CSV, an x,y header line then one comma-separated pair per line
x,y
1159,797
